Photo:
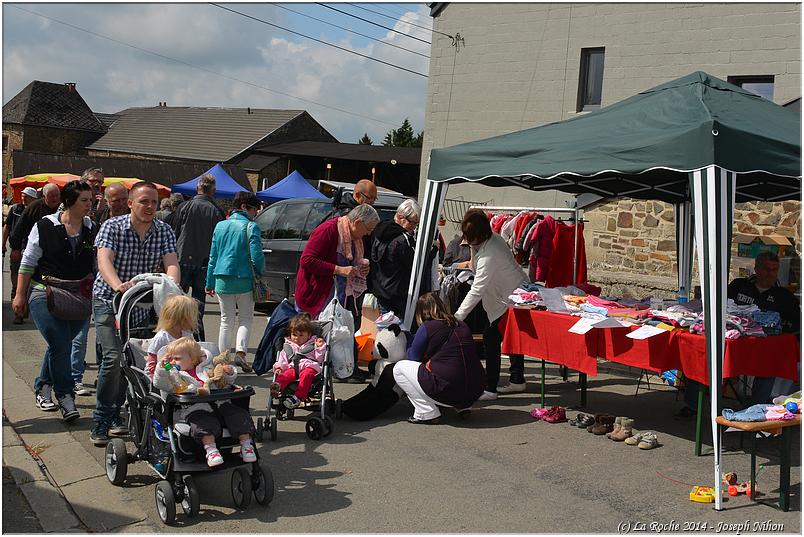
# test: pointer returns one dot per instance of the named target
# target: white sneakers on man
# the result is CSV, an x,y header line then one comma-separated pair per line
x,y
512,387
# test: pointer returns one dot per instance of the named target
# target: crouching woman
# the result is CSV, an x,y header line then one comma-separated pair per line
x,y
443,368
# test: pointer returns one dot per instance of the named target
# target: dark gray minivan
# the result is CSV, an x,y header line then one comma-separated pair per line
x,y
285,227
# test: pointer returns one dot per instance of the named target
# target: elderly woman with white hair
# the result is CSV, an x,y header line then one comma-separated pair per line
x,y
391,258
333,252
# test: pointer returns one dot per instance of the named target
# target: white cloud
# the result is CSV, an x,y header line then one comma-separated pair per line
x,y
112,77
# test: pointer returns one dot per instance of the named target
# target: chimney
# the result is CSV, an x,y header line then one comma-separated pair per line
x,y
248,110
70,87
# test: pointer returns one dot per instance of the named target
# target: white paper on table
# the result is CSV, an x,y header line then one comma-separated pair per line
x,y
609,322
554,301
646,331
582,326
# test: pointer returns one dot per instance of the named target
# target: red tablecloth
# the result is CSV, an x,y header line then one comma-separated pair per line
x,y
544,335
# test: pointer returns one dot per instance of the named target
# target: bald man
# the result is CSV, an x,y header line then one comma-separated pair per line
x,y
365,192
116,197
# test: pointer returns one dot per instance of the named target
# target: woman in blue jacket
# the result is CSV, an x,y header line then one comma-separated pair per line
x,y
230,275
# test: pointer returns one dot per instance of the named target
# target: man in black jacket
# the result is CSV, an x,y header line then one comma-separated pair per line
x,y
391,258
14,213
365,192
193,225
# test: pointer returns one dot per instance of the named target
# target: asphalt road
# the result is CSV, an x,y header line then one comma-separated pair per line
x,y
497,472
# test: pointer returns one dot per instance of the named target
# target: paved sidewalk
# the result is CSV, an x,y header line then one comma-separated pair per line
x,y
74,497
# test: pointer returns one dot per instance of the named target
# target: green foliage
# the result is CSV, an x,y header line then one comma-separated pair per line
x,y
403,136
365,140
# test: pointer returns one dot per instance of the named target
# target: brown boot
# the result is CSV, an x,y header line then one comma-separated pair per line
x,y
616,426
595,424
606,425
626,430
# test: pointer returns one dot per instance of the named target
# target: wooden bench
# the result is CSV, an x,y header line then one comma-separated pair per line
x,y
776,428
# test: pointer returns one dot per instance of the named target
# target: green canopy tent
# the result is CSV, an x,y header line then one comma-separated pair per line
x,y
696,141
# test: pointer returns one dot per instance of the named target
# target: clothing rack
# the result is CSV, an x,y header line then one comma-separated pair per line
x,y
573,211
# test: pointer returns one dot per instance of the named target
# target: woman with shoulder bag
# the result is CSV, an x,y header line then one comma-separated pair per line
x,y
59,258
236,263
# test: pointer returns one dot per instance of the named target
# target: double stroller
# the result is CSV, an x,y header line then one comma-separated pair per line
x,y
321,398
165,445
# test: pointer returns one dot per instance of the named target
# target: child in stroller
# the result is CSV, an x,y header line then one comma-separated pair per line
x,y
311,350
186,354
161,440
178,318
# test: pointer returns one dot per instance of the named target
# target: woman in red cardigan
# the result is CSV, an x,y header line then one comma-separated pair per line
x,y
335,250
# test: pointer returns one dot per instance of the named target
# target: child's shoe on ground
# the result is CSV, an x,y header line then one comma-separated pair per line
x,y
214,458
557,414
247,453
292,402
538,413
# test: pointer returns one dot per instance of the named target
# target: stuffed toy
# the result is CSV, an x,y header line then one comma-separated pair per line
x,y
390,346
222,374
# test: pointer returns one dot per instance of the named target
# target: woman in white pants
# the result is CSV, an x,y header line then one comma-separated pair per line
x,y
442,368
235,257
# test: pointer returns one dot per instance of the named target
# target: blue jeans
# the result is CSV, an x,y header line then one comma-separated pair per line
x,y
59,335
111,391
196,277
78,350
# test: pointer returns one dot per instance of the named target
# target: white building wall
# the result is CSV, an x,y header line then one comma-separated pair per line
x,y
518,64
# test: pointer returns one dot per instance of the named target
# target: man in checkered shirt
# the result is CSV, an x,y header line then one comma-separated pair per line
x,y
127,245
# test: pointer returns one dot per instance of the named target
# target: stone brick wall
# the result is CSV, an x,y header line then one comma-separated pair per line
x,y
13,143
631,246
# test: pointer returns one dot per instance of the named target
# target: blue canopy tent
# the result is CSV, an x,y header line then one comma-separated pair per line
x,y
225,186
292,186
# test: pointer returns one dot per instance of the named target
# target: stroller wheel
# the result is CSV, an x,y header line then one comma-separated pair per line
x,y
315,428
116,461
241,487
259,430
165,502
264,488
191,503
273,429
329,425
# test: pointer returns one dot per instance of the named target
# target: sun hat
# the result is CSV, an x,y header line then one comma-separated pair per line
x,y
30,192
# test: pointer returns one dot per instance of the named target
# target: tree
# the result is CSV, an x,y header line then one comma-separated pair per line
x,y
403,136
365,140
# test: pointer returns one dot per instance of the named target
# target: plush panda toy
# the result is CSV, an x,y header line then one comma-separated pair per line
x,y
390,346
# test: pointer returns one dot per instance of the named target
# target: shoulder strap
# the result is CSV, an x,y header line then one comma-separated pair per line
x,y
248,250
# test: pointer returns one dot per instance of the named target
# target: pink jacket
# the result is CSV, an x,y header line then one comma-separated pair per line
x,y
314,359
542,240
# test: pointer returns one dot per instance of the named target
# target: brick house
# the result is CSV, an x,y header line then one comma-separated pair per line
x,y
47,117
517,66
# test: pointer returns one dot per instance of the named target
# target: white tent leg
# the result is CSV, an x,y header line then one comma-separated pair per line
x,y
434,194
713,192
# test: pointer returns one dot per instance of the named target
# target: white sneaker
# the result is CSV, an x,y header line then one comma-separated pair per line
x,y
511,387
487,396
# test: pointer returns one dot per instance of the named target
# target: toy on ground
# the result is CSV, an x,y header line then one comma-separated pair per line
x,y
702,494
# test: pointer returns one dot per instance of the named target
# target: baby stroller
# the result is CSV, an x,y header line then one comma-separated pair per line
x,y
321,398
167,446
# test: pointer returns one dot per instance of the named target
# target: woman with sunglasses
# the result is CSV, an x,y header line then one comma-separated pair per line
x,y
234,258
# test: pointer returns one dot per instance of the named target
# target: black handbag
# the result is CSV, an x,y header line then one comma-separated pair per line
x,y
69,300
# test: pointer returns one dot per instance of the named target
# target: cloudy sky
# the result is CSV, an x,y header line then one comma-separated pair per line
x,y
208,56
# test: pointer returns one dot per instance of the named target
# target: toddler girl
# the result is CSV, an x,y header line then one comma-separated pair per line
x,y
195,365
178,318
299,337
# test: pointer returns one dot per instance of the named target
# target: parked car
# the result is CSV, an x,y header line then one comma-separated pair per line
x,y
285,227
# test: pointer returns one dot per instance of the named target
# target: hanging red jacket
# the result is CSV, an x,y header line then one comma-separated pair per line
x,y
560,272
542,250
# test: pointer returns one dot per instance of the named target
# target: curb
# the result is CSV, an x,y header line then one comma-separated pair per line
x,y
64,484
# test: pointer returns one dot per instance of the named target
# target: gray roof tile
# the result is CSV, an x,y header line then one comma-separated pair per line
x,y
210,134
47,104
